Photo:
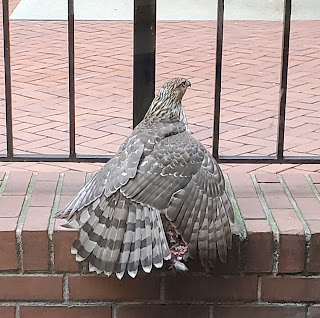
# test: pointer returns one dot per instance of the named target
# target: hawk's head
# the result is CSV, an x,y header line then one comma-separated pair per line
x,y
167,103
174,89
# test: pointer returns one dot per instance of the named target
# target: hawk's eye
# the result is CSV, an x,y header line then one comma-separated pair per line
x,y
183,84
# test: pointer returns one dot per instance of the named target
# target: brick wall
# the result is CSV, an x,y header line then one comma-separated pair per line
x,y
272,270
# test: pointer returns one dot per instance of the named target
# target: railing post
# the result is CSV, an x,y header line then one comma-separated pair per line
x,y
144,57
72,113
284,78
217,92
7,71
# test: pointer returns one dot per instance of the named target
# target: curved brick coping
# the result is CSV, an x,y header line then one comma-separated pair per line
x,y
272,268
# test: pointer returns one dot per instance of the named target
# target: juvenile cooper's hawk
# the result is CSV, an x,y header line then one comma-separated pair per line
x,y
159,170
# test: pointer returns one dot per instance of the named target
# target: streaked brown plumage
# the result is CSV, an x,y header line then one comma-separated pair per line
x,y
159,169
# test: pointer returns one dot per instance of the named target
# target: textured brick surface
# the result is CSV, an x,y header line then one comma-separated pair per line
x,y
63,259
315,311
314,259
292,253
17,183
211,288
110,288
69,312
32,287
259,311
35,238
290,289
8,254
7,312
159,311
260,247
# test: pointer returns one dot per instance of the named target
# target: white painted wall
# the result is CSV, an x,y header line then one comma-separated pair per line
x,y
166,9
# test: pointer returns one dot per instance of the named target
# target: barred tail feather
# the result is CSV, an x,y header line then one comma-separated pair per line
x,y
118,235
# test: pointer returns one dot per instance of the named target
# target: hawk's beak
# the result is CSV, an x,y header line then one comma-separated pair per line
x,y
188,83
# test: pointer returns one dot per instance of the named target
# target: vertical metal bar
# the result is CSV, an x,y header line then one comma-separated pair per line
x,y
217,92
72,114
7,70
144,57
284,77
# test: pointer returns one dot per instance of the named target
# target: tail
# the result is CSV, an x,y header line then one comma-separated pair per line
x,y
116,235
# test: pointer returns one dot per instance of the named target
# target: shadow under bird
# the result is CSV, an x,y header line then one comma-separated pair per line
x,y
161,197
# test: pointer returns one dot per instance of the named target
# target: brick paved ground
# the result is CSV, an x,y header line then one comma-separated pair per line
x,y
251,67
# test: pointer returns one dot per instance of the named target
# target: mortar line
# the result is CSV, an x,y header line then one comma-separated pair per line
x,y
272,222
21,219
83,266
299,214
52,220
313,187
259,288
17,314
83,303
114,310
240,223
4,183
65,288
211,311
237,213
308,314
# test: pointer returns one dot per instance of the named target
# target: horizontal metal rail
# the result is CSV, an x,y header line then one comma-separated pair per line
x,y
55,158
270,159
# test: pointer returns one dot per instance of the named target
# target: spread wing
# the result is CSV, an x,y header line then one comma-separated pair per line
x,y
122,167
181,178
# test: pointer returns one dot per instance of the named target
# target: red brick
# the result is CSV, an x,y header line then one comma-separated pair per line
x,y
17,183
275,196
73,182
298,185
43,194
30,288
35,250
63,238
232,266
292,253
251,208
287,221
314,311
35,238
267,178
314,259
259,260
259,311
161,311
48,176
10,206
111,288
315,177
242,185
7,312
209,288
309,207
290,289
8,252
37,218
68,312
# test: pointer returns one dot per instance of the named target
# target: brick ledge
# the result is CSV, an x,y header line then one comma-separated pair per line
x,y
273,267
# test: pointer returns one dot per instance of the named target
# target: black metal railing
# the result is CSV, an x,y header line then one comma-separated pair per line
x,y
144,86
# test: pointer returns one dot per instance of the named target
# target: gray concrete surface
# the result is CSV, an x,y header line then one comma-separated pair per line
x,y
166,10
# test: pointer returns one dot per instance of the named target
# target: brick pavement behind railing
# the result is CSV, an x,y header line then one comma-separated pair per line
x,y
272,270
